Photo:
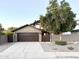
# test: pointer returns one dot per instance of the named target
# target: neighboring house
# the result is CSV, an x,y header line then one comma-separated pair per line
x,y
31,33
77,26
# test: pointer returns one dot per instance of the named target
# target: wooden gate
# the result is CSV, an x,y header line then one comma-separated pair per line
x,y
10,38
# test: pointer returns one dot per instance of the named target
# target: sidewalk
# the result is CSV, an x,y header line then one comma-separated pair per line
x,y
43,55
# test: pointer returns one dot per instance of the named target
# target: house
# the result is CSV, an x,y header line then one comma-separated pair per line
x,y
35,33
31,33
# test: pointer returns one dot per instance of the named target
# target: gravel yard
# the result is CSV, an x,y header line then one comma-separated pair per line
x,y
51,47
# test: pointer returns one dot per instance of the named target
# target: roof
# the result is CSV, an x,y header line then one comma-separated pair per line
x,y
38,21
20,27
23,27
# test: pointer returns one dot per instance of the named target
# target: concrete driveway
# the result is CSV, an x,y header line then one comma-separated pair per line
x,y
33,50
5,46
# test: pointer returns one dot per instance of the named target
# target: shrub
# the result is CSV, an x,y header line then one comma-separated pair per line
x,y
70,48
60,42
2,33
8,33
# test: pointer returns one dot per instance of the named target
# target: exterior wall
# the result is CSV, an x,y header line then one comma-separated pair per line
x,y
74,37
28,29
15,37
3,39
38,26
40,37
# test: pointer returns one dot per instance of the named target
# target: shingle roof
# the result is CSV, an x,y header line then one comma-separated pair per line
x,y
38,21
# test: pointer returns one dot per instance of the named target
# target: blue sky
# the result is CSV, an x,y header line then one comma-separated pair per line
x,y
20,12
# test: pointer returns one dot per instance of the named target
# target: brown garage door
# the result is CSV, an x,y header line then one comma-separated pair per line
x,y
28,37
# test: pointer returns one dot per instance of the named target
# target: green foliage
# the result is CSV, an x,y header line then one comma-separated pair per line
x,y
1,29
7,33
11,28
61,42
2,33
59,17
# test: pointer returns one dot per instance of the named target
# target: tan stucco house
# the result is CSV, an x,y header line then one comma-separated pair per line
x,y
31,33
35,33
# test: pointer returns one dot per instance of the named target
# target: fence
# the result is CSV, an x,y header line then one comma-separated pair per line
x,y
74,37
3,39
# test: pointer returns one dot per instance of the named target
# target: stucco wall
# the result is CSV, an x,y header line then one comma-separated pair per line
x,y
15,37
28,29
74,37
3,39
37,26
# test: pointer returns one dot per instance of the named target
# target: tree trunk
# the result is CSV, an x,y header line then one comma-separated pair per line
x,y
60,37
51,37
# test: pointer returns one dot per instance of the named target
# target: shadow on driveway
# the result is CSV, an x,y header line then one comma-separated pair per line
x,y
5,46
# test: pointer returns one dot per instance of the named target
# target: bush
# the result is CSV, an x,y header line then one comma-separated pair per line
x,y
70,48
8,33
61,42
2,33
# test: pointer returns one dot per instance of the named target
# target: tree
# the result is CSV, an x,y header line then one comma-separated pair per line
x,y
9,31
1,29
11,28
59,18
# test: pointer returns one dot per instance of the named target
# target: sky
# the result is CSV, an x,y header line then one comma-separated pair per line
x,y
15,13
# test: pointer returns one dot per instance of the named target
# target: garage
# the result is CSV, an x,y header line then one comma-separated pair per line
x,y
28,37
27,34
